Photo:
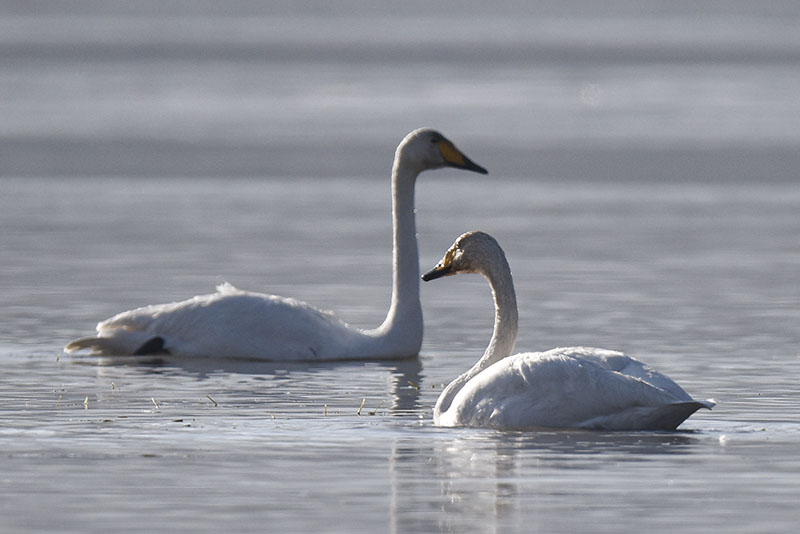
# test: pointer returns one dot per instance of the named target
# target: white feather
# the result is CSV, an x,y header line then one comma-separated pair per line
x,y
574,387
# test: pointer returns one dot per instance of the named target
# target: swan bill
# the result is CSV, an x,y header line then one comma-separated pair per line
x,y
444,267
438,272
455,158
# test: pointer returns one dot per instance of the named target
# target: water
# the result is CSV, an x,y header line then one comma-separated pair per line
x,y
643,183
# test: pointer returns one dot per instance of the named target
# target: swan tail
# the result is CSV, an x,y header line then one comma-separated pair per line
x,y
131,345
98,345
669,417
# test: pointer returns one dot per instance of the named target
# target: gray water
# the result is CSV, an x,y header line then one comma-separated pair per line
x,y
644,183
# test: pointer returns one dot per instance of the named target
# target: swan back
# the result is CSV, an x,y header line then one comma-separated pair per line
x,y
567,387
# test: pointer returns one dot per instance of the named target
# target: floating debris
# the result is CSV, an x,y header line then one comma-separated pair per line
x,y
212,400
373,412
413,384
325,410
155,403
86,403
363,402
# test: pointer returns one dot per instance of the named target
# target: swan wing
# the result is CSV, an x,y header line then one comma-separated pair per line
x,y
560,390
620,363
228,323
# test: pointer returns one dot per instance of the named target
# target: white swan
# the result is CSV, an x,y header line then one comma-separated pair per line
x,y
238,324
575,387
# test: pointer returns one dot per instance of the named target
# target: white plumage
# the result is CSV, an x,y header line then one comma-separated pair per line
x,y
573,387
239,324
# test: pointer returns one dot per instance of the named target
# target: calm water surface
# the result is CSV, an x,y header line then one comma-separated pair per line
x,y
644,182
697,280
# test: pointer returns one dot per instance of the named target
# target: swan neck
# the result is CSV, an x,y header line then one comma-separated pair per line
x,y
504,334
404,318
506,316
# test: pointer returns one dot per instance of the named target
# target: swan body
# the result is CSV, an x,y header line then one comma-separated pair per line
x,y
232,323
572,387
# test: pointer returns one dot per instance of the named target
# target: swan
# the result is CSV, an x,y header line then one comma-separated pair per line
x,y
232,323
573,387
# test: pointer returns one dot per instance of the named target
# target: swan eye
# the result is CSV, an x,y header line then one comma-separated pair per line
x,y
436,138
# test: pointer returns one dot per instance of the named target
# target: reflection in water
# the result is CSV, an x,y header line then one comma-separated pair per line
x,y
404,376
406,381
488,481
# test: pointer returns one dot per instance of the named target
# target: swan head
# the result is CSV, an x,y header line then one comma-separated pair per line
x,y
426,148
472,252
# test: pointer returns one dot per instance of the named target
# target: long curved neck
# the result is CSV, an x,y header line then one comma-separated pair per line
x,y
403,323
506,316
504,334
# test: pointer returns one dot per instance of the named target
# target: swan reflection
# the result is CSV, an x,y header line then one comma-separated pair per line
x,y
486,481
392,387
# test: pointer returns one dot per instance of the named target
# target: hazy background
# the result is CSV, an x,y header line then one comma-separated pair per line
x,y
564,89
